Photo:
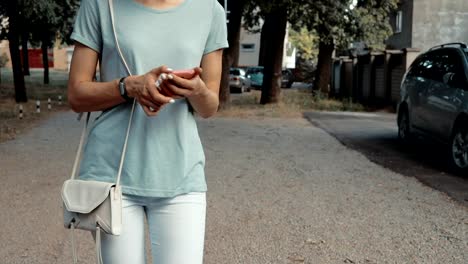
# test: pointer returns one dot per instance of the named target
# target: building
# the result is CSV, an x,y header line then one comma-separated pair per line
x,y
422,24
250,50
59,57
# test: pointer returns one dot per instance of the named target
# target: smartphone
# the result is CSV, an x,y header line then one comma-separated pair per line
x,y
186,74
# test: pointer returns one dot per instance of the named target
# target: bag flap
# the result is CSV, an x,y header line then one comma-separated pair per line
x,y
84,196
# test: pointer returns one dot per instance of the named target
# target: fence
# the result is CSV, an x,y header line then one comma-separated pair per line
x,y
372,79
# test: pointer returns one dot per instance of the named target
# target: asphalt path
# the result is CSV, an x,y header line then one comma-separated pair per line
x,y
375,136
280,191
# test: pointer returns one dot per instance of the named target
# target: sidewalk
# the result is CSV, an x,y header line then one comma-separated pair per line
x,y
280,191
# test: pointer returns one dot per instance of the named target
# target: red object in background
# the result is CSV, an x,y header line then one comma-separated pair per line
x,y
35,58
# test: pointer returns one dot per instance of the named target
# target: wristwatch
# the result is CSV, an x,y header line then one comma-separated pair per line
x,y
123,90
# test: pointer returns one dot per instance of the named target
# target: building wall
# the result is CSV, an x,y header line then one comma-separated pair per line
x,y
249,57
439,21
62,56
403,39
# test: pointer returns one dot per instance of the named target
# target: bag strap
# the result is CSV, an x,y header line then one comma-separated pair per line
x,y
85,128
111,8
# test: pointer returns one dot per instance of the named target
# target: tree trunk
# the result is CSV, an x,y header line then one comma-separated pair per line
x,y
324,64
263,43
13,38
24,47
45,59
231,54
274,31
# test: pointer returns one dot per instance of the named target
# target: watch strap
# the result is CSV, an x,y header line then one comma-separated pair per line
x,y
123,90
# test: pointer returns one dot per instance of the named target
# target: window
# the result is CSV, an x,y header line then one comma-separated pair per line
x,y
399,22
248,47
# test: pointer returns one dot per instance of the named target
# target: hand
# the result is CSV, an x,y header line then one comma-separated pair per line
x,y
143,89
177,87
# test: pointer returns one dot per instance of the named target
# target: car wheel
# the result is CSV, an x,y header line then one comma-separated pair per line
x,y
404,131
459,149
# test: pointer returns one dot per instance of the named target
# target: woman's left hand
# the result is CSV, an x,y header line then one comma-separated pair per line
x,y
177,87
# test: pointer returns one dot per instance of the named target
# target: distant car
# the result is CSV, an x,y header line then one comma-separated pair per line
x,y
255,74
238,81
434,100
287,78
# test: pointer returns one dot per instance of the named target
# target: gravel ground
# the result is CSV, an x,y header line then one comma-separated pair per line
x,y
280,191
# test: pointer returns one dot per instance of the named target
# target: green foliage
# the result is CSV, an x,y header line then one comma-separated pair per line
x,y
45,19
373,21
306,43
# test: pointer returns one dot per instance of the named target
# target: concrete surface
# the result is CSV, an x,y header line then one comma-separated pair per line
x,y
280,191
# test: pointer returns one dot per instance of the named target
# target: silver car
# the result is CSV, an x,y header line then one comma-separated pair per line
x,y
239,81
434,101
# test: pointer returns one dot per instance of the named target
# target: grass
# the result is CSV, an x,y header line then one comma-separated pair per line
x,y
293,103
10,124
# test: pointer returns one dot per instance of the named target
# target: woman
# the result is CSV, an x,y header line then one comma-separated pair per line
x,y
163,177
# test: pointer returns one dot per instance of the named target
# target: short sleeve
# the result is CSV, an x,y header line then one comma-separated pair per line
x,y
217,38
87,29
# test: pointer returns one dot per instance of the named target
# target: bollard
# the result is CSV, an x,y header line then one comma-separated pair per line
x,y
49,105
20,111
38,106
60,100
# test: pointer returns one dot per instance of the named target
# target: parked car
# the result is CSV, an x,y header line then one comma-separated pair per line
x,y
287,78
255,74
434,101
238,80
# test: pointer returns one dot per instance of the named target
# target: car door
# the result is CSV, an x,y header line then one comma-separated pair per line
x,y
443,102
417,84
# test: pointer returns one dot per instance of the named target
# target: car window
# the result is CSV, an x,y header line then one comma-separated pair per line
x,y
234,72
434,65
255,70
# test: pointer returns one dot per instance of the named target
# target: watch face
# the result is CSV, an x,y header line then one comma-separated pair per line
x,y
122,88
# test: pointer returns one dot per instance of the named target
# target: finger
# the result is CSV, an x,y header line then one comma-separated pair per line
x,y
161,69
157,97
175,90
167,91
149,103
198,71
180,82
150,112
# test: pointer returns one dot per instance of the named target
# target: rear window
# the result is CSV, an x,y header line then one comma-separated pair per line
x,y
234,72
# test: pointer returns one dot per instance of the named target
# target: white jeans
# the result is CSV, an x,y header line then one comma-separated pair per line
x,y
176,229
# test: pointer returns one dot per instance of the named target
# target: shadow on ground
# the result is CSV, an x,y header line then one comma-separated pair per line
x,y
375,136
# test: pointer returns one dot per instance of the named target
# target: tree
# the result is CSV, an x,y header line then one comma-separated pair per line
x,y
45,20
12,12
275,17
373,21
231,54
338,23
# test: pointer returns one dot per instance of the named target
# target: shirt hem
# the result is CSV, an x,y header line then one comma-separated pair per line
x,y
89,43
161,193
215,47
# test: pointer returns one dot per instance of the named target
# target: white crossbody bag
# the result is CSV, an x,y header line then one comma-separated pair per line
x,y
94,205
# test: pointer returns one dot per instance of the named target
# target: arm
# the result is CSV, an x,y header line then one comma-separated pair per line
x,y
206,103
84,95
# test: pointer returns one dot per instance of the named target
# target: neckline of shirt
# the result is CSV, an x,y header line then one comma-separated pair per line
x,y
158,11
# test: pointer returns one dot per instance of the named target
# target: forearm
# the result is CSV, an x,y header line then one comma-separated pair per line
x,y
205,103
89,96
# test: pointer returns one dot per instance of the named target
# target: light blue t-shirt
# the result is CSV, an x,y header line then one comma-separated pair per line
x,y
165,155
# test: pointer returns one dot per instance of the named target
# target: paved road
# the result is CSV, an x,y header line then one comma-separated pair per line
x,y
375,136
280,191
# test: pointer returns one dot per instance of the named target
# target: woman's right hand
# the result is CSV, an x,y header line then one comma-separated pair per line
x,y
143,89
